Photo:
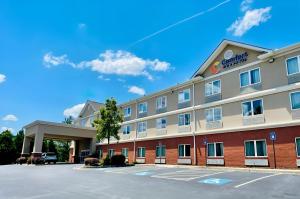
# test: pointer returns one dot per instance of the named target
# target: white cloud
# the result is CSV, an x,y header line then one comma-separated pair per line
x,y
2,78
10,117
82,26
103,78
73,111
136,90
113,62
246,5
249,20
7,128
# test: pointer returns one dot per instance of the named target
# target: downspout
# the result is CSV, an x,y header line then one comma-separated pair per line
x,y
194,130
136,128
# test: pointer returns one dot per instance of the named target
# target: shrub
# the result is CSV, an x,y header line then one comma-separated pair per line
x,y
21,160
106,161
118,160
91,161
35,160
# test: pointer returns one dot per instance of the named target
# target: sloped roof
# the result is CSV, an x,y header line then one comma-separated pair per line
x,y
220,48
95,106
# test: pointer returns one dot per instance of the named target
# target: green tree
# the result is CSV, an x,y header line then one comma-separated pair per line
x,y
108,122
52,147
45,146
7,148
63,148
18,142
69,120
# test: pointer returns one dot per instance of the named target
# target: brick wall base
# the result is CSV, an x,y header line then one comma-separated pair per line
x,y
234,152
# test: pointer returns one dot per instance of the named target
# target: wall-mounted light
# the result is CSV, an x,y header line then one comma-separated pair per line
x,y
271,60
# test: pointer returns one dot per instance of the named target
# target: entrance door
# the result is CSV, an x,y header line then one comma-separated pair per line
x,y
83,154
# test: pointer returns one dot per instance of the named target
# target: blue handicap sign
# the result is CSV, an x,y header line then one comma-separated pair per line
x,y
143,173
215,181
272,136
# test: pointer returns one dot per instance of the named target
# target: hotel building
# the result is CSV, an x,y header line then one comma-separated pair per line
x,y
240,108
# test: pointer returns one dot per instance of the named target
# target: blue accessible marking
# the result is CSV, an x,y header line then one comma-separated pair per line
x,y
215,181
144,173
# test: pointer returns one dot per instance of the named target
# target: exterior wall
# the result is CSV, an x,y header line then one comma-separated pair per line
x,y
234,152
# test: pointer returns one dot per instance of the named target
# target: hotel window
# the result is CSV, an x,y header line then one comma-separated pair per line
x,y
127,112
142,127
111,152
141,152
184,96
126,130
255,148
184,119
293,65
298,146
250,77
100,153
295,100
83,122
184,150
161,123
161,151
161,102
213,88
143,107
213,114
125,152
253,107
215,149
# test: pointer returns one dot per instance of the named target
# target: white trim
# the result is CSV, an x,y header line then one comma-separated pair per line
x,y
138,150
126,150
286,65
212,83
125,126
249,76
164,96
184,119
255,149
184,100
252,111
160,146
291,103
126,108
215,150
213,111
184,152
145,104
161,118
298,156
144,122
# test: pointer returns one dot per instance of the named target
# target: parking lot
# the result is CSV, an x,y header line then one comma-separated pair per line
x,y
73,181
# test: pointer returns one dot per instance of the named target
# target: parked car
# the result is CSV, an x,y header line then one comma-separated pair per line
x,y
49,157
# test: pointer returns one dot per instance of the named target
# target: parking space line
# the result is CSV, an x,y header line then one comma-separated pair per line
x,y
185,176
257,179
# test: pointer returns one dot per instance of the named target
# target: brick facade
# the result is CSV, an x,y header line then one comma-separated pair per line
x,y
234,152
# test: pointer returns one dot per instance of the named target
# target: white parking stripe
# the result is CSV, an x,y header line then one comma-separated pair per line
x,y
257,179
185,177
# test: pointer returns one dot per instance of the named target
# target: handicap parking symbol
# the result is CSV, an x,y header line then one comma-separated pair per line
x,y
144,173
215,181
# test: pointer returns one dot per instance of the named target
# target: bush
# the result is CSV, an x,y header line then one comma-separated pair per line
x,y
91,161
106,161
118,160
21,160
35,160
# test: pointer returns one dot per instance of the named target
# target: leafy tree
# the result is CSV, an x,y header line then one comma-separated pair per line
x,y
7,148
63,148
18,142
69,120
45,146
52,147
108,122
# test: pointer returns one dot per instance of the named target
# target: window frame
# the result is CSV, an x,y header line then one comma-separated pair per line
x,y
126,152
291,104
159,146
109,150
137,155
286,65
296,138
255,149
218,107
161,97
146,105
212,83
161,118
251,101
182,91
145,122
125,126
184,151
215,150
127,108
249,76
184,119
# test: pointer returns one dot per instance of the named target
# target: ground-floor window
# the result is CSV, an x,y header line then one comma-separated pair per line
x,y
125,152
184,150
141,152
161,151
215,149
100,153
255,148
111,152
298,146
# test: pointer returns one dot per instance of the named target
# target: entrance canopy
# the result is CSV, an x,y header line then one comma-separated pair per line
x,y
38,130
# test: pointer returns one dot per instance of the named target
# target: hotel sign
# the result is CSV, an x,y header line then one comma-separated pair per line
x,y
228,61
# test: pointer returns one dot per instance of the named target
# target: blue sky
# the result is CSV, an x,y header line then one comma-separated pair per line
x,y
54,55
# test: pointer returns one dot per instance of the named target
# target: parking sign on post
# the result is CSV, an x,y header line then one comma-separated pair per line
x,y
273,138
